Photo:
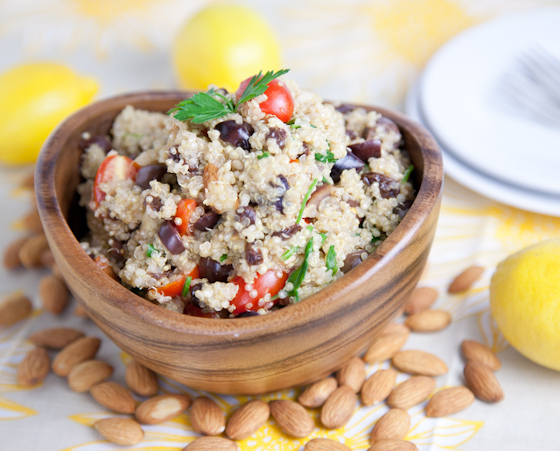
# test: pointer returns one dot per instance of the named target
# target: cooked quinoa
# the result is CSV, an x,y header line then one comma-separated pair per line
x,y
246,177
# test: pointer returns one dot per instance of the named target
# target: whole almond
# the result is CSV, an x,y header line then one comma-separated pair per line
x,y
14,308
353,374
161,408
464,280
211,444
30,251
448,401
11,253
378,387
80,311
393,445
419,362
121,431
473,350
396,328
428,321
33,368
248,419
141,380
56,338
338,408
394,425
421,299
481,380
86,374
206,417
47,258
316,394
385,347
114,397
411,392
54,294
325,444
32,222
292,418
74,353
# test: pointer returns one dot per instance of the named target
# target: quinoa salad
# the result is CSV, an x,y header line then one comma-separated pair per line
x,y
238,204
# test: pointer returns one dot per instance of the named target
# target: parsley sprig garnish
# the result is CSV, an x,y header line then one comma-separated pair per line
x,y
258,85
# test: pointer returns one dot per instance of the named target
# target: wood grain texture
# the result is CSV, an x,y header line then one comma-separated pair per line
x,y
310,339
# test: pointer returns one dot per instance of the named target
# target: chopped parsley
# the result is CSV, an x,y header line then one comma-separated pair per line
x,y
150,250
186,286
264,155
326,181
375,238
223,257
305,199
296,278
407,174
292,123
331,260
291,251
328,158
310,228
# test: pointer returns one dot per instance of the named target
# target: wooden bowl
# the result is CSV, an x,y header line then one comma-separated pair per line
x,y
296,345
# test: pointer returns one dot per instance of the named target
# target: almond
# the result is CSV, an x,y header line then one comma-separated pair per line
x,y
33,368
316,394
353,374
32,222
338,408
11,253
411,392
421,299
464,280
248,419
86,374
292,418
378,387
396,328
14,308
385,347
394,425
393,445
209,175
47,258
481,380
74,353
141,380
211,444
54,294
206,417
428,321
473,350
419,362
28,181
448,401
114,397
56,338
325,444
121,431
161,408
30,251
80,311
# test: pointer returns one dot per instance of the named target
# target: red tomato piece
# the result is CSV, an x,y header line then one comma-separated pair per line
x,y
279,103
263,284
114,167
185,210
175,288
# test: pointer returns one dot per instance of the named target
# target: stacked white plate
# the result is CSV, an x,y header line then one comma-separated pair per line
x,y
489,146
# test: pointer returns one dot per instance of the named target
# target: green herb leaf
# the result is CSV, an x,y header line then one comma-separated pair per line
x,y
328,158
223,257
407,174
259,84
264,155
325,179
150,250
305,199
310,228
331,260
186,286
286,255
202,107
296,278
323,238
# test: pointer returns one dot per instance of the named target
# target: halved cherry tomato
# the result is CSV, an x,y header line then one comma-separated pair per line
x,y
175,288
185,209
279,103
264,283
114,167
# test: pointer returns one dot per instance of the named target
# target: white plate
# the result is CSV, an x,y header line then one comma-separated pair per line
x,y
462,104
508,194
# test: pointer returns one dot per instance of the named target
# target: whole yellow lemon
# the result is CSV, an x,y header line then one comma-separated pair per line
x,y
525,301
34,98
224,44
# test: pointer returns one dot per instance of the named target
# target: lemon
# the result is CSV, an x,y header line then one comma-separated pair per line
x,y
525,301
223,45
34,98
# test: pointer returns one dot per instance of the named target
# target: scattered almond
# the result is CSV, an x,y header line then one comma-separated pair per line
x,y
248,419
411,392
394,425
56,338
353,374
421,299
141,380
338,408
419,362
11,253
292,418
448,401
206,417
74,353
211,444
385,347
473,350
481,380
47,258
396,328
428,321
30,251
14,308
464,280
114,397
325,444
33,368
378,387
86,374
316,394
54,294
121,431
32,222
80,311
393,445
161,408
